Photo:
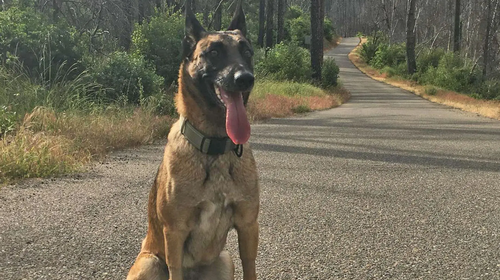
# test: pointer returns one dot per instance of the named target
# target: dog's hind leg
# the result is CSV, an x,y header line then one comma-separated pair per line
x,y
148,267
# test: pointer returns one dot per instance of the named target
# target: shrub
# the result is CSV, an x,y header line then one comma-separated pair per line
x,y
476,95
389,55
126,78
286,61
294,12
490,89
328,30
300,109
429,58
330,72
298,25
298,28
41,48
452,73
430,90
389,71
159,41
369,49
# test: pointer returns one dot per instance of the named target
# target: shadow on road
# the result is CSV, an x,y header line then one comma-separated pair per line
x,y
423,160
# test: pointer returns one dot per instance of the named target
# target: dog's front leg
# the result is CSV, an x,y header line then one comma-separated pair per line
x,y
174,245
248,238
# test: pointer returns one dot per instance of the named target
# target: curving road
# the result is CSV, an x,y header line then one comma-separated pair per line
x,y
388,186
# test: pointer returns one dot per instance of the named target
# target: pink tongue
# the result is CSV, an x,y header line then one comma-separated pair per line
x,y
237,125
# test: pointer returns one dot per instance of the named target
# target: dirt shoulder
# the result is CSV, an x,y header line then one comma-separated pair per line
x,y
486,108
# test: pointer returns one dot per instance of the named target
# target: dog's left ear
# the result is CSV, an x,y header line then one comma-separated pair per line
x,y
193,31
238,21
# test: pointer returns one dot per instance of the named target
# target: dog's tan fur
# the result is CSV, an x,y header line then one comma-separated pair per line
x,y
197,198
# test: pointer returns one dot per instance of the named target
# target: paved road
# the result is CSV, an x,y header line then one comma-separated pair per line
x,y
388,186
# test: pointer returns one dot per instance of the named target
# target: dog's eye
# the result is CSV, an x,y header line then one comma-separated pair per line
x,y
248,53
214,53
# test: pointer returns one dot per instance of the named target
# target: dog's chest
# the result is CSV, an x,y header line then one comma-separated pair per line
x,y
214,220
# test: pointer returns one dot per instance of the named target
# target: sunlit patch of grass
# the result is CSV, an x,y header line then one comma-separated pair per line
x,y
28,154
271,99
49,143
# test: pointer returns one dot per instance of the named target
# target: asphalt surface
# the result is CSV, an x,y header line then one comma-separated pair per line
x,y
387,186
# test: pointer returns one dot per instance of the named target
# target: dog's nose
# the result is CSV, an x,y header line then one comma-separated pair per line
x,y
244,80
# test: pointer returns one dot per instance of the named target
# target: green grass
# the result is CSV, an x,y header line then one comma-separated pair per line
x,y
290,89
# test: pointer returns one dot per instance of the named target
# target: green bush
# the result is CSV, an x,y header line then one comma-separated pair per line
x,y
330,73
159,41
42,48
369,49
298,28
298,25
389,55
286,61
294,12
490,89
126,78
328,29
430,90
452,73
429,58
301,109
389,71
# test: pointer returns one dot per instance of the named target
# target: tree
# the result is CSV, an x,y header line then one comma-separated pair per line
x,y
281,20
456,31
218,15
262,19
316,38
487,38
270,24
410,38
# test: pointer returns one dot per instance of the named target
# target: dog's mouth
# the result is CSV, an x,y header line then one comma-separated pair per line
x,y
237,125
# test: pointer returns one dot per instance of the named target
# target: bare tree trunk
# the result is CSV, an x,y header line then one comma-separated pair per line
x,y
270,24
456,32
410,38
487,39
262,22
130,8
281,20
316,38
206,13
218,16
56,10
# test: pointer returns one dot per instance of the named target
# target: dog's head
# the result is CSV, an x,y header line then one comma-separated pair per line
x,y
221,67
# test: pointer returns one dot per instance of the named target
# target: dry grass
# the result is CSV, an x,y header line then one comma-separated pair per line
x,y
328,45
49,143
278,100
486,108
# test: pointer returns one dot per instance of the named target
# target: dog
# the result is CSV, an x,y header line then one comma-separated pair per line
x,y
207,183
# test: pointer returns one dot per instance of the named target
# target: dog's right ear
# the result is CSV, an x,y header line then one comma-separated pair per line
x,y
193,31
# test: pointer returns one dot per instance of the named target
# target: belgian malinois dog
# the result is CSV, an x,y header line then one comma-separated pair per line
x,y
207,183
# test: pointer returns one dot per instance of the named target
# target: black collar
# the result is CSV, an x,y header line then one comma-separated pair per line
x,y
208,145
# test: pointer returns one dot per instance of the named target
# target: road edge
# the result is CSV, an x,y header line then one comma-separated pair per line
x,y
485,108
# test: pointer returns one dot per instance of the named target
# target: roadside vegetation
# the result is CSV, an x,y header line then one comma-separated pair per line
x,y
442,76
444,50
71,93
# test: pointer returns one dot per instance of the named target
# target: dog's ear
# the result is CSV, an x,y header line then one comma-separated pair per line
x,y
239,21
193,31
